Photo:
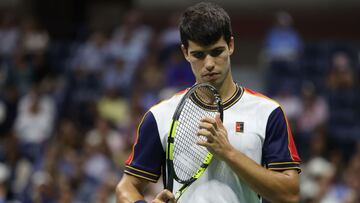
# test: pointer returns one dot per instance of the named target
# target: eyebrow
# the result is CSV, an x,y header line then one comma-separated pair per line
x,y
207,50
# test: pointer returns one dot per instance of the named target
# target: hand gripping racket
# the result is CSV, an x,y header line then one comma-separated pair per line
x,y
186,161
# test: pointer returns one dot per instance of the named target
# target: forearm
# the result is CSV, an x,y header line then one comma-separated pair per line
x,y
273,186
128,192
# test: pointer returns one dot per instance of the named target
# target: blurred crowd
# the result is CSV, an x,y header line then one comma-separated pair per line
x,y
69,110
318,86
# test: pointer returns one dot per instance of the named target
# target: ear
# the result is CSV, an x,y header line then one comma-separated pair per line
x,y
184,51
231,45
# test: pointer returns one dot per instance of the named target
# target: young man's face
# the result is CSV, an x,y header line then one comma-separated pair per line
x,y
210,63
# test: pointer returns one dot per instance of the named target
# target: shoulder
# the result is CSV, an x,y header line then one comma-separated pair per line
x,y
167,106
260,100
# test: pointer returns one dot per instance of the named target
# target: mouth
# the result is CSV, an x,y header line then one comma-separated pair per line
x,y
210,76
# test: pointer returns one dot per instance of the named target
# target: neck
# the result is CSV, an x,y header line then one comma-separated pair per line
x,y
227,89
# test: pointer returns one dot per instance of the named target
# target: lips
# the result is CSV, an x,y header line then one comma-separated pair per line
x,y
210,76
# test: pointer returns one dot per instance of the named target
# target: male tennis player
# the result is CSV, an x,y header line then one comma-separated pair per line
x,y
255,156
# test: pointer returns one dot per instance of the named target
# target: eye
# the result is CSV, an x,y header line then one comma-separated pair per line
x,y
198,55
216,52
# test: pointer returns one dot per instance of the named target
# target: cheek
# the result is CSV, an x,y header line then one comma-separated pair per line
x,y
196,67
223,61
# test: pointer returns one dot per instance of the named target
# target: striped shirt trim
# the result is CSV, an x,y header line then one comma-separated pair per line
x,y
281,166
141,174
281,163
142,171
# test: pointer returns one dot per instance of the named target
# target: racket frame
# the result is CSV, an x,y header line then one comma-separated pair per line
x,y
171,175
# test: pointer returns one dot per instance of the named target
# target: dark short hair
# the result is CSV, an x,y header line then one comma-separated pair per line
x,y
204,23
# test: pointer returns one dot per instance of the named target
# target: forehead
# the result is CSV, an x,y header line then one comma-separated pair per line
x,y
193,46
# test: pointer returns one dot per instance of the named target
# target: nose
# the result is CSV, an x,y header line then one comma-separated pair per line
x,y
209,62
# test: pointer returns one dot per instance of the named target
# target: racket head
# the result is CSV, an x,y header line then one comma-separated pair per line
x,y
187,161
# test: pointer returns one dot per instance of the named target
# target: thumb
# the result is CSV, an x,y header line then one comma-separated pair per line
x,y
218,121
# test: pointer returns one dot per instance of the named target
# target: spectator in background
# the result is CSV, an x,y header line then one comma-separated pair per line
x,y
149,84
320,183
314,111
34,43
289,101
9,96
34,124
169,39
61,174
9,36
341,75
96,166
283,46
114,141
310,122
114,107
283,43
342,94
34,39
128,47
88,64
4,177
316,145
22,73
9,42
43,188
351,178
170,36
178,74
63,155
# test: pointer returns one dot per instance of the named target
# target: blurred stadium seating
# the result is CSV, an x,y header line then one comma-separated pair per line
x,y
75,82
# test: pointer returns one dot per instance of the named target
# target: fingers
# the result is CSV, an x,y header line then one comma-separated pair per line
x,y
205,144
164,197
208,126
213,125
219,123
209,136
215,122
210,121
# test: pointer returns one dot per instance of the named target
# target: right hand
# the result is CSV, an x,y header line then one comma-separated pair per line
x,y
164,197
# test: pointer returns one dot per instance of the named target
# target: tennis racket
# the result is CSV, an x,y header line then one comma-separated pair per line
x,y
186,161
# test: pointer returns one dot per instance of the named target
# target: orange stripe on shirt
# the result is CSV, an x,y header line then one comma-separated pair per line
x,y
182,91
256,93
291,145
131,156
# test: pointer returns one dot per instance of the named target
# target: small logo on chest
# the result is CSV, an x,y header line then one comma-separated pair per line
x,y
239,127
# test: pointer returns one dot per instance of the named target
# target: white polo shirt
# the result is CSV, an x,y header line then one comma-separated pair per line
x,y
256,126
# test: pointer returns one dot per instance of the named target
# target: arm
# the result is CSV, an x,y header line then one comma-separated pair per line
x,y
272,185
144,162
129,189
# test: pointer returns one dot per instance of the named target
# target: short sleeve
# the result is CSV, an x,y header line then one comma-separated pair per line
x,y
279,151
147,155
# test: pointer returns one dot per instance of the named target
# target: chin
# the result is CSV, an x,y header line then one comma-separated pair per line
x,y
215,83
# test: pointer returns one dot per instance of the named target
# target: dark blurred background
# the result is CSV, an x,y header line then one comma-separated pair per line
x,y
77,76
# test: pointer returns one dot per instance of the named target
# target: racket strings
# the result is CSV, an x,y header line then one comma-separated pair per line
x,y
188,156
205,95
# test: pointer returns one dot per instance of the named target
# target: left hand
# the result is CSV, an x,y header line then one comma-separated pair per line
x,y
217,138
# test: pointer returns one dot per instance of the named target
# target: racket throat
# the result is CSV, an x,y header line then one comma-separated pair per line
x,y
183,189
